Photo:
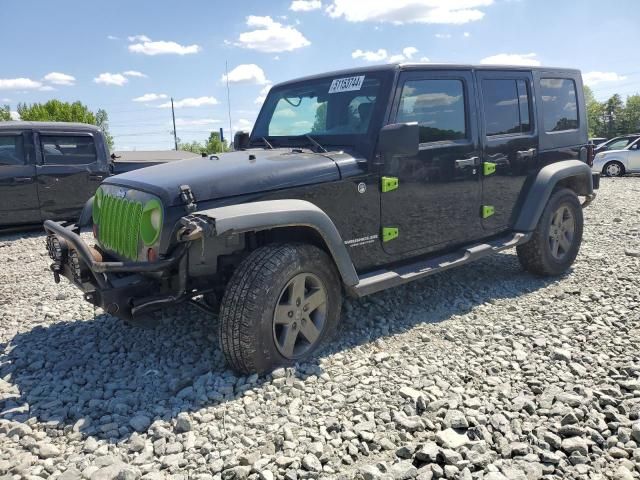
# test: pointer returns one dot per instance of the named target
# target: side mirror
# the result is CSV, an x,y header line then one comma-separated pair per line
x,y
399,139
241,140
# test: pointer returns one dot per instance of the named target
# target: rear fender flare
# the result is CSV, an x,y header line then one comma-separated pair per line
x,y
270,214
574,172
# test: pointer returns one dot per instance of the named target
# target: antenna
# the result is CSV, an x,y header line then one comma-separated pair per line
x,y
175,135
226,69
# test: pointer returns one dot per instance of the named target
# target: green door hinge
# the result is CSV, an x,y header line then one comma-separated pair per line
x,y
488,168
389,233
487,211
389,183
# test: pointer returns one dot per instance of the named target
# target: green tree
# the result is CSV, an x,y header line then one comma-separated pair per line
x,y
214,144
57,111
194,147
613,109
595,114
630,117
5,113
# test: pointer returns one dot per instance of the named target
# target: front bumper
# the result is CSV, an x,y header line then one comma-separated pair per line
x,y
125,289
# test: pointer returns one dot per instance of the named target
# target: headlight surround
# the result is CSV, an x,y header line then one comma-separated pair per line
x,y
151,222
97,204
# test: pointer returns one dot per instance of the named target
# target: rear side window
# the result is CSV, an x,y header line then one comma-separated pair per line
x,y
559,104
437,105
68,150
11,150
506,106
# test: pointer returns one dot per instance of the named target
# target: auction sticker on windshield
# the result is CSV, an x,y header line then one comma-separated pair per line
x,y
346,84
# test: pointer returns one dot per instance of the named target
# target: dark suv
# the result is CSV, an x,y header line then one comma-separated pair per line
x,y
351,182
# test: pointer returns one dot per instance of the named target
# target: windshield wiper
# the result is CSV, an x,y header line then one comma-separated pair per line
x,y
315,142
266,142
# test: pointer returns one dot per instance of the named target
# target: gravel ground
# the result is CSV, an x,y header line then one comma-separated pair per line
x,y
484,372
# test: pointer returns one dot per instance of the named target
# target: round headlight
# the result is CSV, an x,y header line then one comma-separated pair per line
x,y
97,204
151,222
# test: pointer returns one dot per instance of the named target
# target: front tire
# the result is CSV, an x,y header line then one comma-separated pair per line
x,y
613,169
280,305
556,240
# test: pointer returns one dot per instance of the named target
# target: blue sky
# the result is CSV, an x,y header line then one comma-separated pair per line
x,y
129,57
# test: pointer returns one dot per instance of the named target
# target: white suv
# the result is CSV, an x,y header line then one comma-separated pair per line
x,y
615,163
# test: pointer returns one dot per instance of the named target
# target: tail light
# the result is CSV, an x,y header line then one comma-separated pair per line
x,y
591,153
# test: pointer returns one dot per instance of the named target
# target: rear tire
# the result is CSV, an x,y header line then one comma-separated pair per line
x,y
280,305
556,240
613,169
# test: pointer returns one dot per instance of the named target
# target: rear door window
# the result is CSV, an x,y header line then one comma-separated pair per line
x,y
506,106
559,104
11,150
68,150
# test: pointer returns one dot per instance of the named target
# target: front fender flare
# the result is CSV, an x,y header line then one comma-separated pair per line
x,y
542,187
86,216
266,215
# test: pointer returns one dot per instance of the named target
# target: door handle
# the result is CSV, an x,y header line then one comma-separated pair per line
x,y
526,153
468,162
96,177
23,179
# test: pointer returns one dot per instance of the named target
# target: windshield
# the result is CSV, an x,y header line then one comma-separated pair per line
x,y
323,108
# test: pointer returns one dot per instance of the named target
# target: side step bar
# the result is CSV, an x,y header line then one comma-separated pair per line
x,y
383,279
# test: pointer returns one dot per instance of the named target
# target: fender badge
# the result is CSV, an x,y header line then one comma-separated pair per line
x,y
362,187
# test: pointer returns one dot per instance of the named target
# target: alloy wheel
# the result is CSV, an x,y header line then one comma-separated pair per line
x,y
561,232
613,170
300,315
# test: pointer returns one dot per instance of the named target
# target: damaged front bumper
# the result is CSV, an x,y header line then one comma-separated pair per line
x,y
124,289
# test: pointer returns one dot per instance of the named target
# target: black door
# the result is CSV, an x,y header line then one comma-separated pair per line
x,y
436,201
510,143
68,174
18,193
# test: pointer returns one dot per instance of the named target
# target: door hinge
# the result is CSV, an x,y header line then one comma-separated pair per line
x,y
487,211
389,233
389,184
488,168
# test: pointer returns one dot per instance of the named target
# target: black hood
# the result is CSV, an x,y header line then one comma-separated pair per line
x,y
232,174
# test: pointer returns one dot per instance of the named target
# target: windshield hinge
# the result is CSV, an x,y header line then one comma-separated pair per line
x,y
187,197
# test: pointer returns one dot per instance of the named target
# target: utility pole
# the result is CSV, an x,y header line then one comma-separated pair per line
x,y
175,135
226,69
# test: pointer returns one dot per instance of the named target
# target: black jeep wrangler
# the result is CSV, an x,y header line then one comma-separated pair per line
x,y
350,182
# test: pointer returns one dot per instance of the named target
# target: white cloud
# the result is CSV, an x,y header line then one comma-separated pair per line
x,y
305,5
369,55
442,35
243,124
5,100
134,73
14,115
150,97
409,11
138,38
466,34
58,78
112,37
46,88
199,122
246,73
270,36
19,84
396,58
525,59
425,59
262,95
161,47
409,52
111,79
190,102
594,78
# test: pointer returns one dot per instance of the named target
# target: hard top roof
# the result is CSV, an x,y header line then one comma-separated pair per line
x,y
53,126
394,67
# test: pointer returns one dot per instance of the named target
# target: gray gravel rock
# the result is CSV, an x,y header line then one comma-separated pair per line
x,y
483,372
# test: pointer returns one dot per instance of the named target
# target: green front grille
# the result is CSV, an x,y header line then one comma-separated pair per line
x,y
119,226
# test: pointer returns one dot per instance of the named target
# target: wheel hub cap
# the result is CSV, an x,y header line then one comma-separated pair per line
x,y
300,315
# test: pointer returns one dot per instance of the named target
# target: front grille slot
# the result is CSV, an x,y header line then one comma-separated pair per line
x,y
119,226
